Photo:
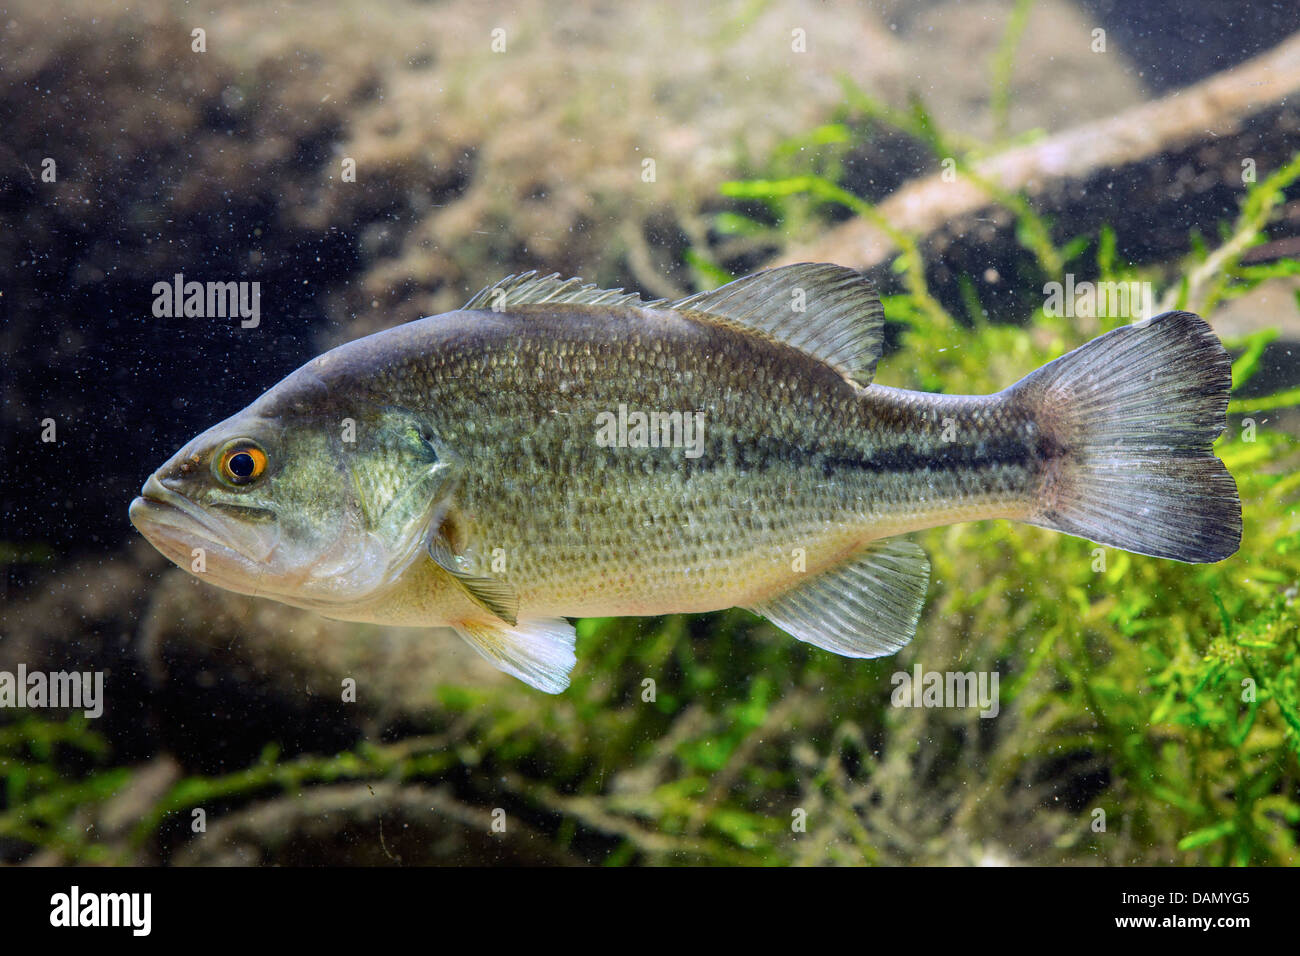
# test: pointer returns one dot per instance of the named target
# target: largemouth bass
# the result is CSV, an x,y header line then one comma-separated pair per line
x,y
554,450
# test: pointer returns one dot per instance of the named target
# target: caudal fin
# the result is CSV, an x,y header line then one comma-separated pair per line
x,y
1127,421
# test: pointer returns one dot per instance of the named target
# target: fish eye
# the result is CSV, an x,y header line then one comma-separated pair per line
x,y
241,462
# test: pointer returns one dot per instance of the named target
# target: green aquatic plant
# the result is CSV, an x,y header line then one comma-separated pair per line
x,y
1002,66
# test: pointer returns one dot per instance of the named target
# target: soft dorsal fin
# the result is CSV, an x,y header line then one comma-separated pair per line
x,y
531,289
824,310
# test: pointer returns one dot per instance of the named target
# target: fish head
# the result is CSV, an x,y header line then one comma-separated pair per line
x,y
293,499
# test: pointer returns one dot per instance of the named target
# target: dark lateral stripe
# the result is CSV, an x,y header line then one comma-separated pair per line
x,y
952,456
767,452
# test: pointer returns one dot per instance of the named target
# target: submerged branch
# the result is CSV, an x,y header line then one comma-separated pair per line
x,y
1153,164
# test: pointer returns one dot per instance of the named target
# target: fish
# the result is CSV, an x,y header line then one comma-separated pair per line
x,y
554,450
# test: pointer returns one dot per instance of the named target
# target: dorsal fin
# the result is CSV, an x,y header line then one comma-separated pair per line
x,y
529,288
824,310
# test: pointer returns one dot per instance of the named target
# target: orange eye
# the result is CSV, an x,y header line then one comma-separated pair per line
x,y
242,464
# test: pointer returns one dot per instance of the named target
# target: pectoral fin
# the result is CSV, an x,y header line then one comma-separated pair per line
x,y
540,653
491,594
867,607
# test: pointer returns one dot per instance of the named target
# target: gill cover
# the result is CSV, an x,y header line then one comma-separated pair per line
x,y
405,480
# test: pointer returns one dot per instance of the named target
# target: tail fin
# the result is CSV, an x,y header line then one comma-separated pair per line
x,y
1127,421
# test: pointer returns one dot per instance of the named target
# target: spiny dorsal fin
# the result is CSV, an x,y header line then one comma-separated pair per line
x,y
531,289
841,321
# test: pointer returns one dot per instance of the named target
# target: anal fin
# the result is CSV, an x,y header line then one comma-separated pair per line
x,y
866,607
540,653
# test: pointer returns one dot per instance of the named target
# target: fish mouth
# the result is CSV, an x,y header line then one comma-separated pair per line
x,y
174,523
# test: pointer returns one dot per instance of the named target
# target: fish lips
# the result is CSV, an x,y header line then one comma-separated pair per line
x,y
175,525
